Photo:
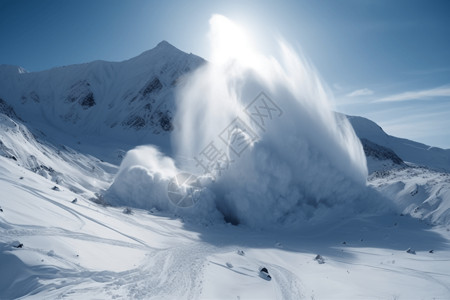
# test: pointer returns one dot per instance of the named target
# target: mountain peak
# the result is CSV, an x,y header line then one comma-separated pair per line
x,y
163,48
164,43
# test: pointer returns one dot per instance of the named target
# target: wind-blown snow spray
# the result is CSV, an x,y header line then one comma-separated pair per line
x,y
261,135
303,159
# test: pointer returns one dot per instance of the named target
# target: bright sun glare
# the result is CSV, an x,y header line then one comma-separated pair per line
x,y
229,41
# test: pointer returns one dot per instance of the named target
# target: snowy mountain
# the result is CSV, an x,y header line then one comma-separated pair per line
x,y
63,135
126,103
407,150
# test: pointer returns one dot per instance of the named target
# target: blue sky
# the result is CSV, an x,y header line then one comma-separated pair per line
x,y
385,60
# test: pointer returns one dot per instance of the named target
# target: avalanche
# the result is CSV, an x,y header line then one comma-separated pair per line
x,y
288,143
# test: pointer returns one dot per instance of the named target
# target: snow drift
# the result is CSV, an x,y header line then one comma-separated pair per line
x,y
262,130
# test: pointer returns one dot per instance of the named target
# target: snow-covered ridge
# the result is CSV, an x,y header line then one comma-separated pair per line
x,y
409,151
129,102
60,164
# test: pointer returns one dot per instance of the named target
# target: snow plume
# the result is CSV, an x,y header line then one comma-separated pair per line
x,y
142,179
142,182
213,96
261,135
300,160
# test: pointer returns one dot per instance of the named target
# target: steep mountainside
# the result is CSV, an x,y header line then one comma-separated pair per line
x,y
129,102
407,150
60,164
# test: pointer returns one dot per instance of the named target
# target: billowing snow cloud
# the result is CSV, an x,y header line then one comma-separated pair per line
x,y
262,139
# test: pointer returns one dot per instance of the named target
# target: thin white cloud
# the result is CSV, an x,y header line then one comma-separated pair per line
x,y
418,95
361,92
337,87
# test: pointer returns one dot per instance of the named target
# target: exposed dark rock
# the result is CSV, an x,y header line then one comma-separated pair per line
x,y
320,260
165,121
153,86
127,211
136,122
379,152
411,251
17,244
88,101
264,273
80,92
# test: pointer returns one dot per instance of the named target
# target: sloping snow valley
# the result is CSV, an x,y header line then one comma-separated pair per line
x,y
84,250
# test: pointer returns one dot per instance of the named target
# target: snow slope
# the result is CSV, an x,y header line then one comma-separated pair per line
x,y
118,103
415,176
418,191
83,174
84,250
407,150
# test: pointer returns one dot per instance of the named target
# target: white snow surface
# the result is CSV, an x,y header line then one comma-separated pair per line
x,y
84,250
83,174
418,191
